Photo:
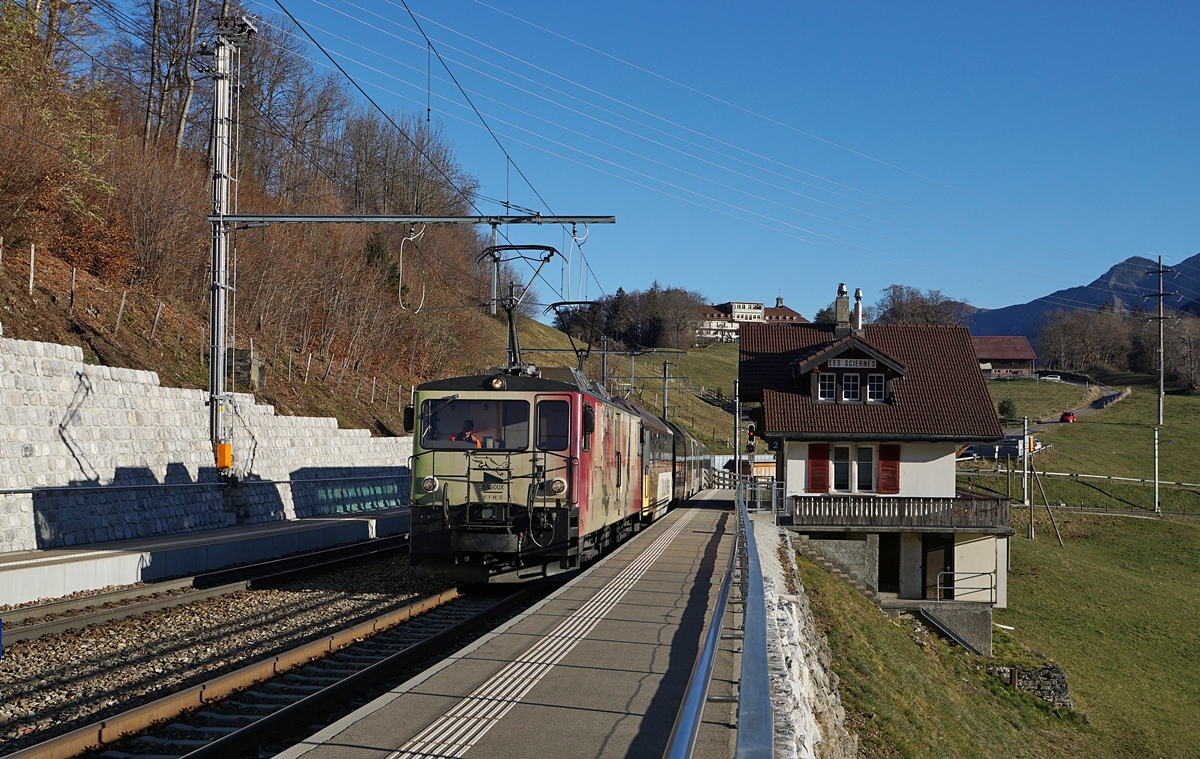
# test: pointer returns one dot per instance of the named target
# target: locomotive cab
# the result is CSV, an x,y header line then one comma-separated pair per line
x,y
495,477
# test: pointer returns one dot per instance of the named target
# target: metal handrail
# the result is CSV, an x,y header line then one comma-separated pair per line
x,y
955,588
756,719
755,725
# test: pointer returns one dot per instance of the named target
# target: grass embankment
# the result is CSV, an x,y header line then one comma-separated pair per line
x,y
1040,400
1118,608
714,367
908,693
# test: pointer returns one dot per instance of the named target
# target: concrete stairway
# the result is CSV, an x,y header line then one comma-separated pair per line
x,y
967,623
810,552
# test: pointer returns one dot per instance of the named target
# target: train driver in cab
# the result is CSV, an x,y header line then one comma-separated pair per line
x,y
467,435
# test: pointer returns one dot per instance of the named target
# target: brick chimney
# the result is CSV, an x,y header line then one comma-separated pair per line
x,y
841,312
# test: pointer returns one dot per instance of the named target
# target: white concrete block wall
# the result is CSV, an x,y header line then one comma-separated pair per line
x,y
89,429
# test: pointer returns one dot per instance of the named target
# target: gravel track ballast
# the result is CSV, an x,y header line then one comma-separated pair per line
x,y
55,684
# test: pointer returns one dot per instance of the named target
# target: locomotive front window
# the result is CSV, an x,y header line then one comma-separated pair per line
x,y
484,424
554,425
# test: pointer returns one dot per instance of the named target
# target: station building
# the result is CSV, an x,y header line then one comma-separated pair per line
x,y
867,421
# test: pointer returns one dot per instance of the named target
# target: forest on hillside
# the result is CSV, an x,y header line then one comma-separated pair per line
x,y
108,108
1112,338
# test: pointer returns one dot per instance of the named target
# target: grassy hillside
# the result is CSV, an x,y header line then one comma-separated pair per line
x,y
1118,608
1041,400
907,693
712,368
1119,442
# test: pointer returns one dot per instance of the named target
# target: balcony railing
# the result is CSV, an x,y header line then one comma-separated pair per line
x,y
963,512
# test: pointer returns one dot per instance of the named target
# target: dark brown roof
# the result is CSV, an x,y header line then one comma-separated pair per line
x,y
842,345
943,395
782,314
713,312
1003,348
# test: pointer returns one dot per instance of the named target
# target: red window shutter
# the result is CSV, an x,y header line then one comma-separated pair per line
x,y
889,469
818,468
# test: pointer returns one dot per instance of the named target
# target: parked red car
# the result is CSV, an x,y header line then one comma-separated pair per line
x,y
1068,416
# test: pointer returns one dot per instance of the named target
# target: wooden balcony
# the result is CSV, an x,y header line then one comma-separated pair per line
x,y
967,512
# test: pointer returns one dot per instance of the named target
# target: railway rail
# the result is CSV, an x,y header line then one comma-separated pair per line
x,y
100,608
277,701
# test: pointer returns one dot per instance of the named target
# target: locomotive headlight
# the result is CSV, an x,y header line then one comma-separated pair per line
x,y
558,486
429,484
497,383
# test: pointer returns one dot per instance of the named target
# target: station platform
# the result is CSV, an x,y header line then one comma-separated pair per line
x,y
53,573
598,669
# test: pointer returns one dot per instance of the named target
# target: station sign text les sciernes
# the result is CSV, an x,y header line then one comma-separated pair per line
x,y
851,363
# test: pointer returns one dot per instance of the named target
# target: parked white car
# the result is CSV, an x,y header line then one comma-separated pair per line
x,y
1052,378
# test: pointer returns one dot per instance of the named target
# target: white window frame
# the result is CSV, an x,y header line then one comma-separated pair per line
x,y
821,396
874,468
853,467
849,469
882,388
857,387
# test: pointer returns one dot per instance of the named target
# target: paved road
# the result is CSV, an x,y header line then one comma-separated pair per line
x,y
1106,398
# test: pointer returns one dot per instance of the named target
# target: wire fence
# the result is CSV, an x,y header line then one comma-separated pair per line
x,y
1078,477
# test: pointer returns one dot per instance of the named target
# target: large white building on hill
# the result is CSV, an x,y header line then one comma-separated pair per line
x,y
721,322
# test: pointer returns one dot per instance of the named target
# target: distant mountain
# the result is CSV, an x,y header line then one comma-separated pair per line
x,y
1123,286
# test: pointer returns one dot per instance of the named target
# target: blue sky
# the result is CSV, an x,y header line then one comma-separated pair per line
x,y
996,152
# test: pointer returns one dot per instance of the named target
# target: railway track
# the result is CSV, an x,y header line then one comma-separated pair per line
x,y
277,701
75,613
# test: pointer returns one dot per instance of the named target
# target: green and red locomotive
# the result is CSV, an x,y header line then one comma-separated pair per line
x,y
522,473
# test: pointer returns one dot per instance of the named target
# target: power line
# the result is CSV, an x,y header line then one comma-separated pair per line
x,y
482,120
462,90
492,132
1062,301
467,97
370,100
385,115
653,142
774,121
683,127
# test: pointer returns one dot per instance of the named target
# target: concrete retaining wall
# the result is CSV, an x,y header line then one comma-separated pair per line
x,y
88,448
857,556
809,717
